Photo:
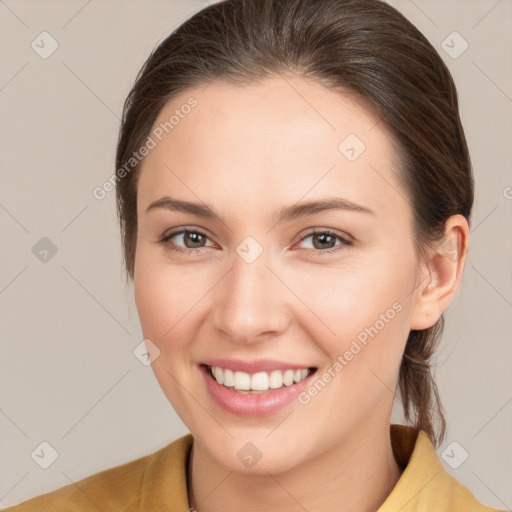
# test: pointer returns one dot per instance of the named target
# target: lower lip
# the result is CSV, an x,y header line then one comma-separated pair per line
x,y
247,404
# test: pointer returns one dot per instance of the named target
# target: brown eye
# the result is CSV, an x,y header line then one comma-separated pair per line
x,y
325,241
191,240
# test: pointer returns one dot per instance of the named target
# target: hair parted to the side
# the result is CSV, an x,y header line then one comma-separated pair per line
x,y
362,47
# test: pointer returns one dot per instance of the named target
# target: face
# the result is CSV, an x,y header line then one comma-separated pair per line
x,y
308,306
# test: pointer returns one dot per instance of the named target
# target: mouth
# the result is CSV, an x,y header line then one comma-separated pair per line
x,y
254,388
258,382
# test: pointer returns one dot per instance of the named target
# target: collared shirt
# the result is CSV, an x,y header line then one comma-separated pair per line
x,y
158,483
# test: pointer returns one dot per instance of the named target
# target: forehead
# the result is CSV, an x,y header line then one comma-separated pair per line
x,y
279,139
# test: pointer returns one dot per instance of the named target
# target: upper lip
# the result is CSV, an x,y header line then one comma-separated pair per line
x,y
261,365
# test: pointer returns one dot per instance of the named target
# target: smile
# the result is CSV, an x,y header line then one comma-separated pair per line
x,y
257,382
258,389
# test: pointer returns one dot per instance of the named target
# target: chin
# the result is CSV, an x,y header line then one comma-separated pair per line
x,y
267,460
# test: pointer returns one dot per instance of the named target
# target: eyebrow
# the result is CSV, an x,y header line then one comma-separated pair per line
x,y
284,214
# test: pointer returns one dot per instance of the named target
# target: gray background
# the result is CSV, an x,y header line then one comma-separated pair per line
x,y
69,326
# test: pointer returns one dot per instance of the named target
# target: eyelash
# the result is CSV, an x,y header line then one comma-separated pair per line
x,y
345,241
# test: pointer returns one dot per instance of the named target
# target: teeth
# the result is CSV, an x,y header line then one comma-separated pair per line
x,y
275,379
218,374
262,381
288,377
229,377
259,381
242,380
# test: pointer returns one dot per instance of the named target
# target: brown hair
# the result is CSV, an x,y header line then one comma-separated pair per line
x,y
364,47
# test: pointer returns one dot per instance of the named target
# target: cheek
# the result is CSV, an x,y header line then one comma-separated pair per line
x,y
161,301
346,301
163,293
170,302
162,306
153,305
363,318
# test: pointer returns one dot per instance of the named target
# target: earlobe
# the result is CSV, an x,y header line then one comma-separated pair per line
x,y
443,275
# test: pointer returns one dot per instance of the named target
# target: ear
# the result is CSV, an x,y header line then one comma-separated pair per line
x,y
441,274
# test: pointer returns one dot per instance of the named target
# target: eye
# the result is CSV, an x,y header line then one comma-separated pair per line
x,y
193,240
324,241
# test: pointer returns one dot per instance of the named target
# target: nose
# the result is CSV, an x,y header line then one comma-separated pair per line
x,y
249,303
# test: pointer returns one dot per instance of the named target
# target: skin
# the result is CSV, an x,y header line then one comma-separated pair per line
x,y
247,152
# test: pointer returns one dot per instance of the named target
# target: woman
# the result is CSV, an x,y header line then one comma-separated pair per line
x,y
294,191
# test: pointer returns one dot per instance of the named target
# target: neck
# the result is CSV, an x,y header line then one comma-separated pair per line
x,y
356,475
